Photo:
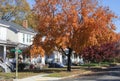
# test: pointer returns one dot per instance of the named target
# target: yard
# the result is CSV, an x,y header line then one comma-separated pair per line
x,y
53,72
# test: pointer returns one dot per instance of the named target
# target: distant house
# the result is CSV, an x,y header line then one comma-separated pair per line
x,y
58,57
12,35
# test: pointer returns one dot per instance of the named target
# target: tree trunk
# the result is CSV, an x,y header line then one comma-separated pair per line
x,y
89,66
69,63
69,60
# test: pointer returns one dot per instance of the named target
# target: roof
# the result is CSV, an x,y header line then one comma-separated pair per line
x,y
16,27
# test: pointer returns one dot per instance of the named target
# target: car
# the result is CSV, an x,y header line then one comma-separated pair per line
x,y
55,65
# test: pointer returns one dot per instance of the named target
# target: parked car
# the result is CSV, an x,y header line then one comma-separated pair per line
x,y
56,65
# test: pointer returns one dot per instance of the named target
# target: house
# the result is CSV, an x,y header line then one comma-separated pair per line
x,y
12,35
58,57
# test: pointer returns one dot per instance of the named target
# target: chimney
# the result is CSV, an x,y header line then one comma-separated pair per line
x,y
25,23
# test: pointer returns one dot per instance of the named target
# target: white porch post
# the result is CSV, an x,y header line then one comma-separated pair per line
x,y
78,59
43,60
4,52
73,58
61,60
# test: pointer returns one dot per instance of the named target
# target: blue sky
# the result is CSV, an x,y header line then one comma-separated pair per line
x,y
31,2
114,5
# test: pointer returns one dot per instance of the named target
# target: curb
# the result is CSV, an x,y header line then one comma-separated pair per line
x,y
48,79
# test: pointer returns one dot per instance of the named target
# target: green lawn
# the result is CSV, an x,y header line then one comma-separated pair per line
x,y
106,64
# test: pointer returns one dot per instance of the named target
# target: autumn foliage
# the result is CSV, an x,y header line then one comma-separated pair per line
x,y
36,50
104,52
72,23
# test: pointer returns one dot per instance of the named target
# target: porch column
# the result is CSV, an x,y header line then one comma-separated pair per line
x,y
4,52
60,56
78,59
73,58
43,60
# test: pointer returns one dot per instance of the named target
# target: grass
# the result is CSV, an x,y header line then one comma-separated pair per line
x,y
106,64
61,74
28,73
53,72
5,76
65,73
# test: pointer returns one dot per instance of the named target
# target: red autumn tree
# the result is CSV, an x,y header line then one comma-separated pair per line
x,y
72,24
104,52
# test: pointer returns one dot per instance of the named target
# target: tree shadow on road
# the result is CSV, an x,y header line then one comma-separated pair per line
x,y
108,80
100,74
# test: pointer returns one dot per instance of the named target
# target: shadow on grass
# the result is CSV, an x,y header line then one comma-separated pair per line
x,y
51,70
45,70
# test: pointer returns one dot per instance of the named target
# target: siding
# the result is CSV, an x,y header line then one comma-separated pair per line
x,y
12,36
3,33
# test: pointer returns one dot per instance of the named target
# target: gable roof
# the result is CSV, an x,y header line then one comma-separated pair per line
x,y
17,28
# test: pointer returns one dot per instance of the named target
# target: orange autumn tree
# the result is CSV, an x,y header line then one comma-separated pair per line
x,y
72,24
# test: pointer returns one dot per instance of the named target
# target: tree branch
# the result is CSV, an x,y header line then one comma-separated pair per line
x,y
61,50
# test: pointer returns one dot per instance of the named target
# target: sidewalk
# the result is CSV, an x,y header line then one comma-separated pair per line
x,y
42,77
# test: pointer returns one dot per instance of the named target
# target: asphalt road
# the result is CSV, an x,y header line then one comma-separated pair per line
x,y
109,74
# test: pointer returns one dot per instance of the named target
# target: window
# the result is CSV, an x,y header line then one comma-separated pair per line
x,y
0,30
23,38
31,38
27,38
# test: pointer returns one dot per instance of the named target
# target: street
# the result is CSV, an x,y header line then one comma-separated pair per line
x,y
109,74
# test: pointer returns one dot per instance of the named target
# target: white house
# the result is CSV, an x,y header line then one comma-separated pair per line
x,y
58,57
12,34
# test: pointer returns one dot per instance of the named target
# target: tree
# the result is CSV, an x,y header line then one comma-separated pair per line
x,y
31,18
14,10
104,52
72,24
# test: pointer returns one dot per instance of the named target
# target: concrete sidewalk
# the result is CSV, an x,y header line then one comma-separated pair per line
x,y
40,77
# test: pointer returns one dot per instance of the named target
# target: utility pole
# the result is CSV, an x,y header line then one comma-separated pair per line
x,y
16,53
